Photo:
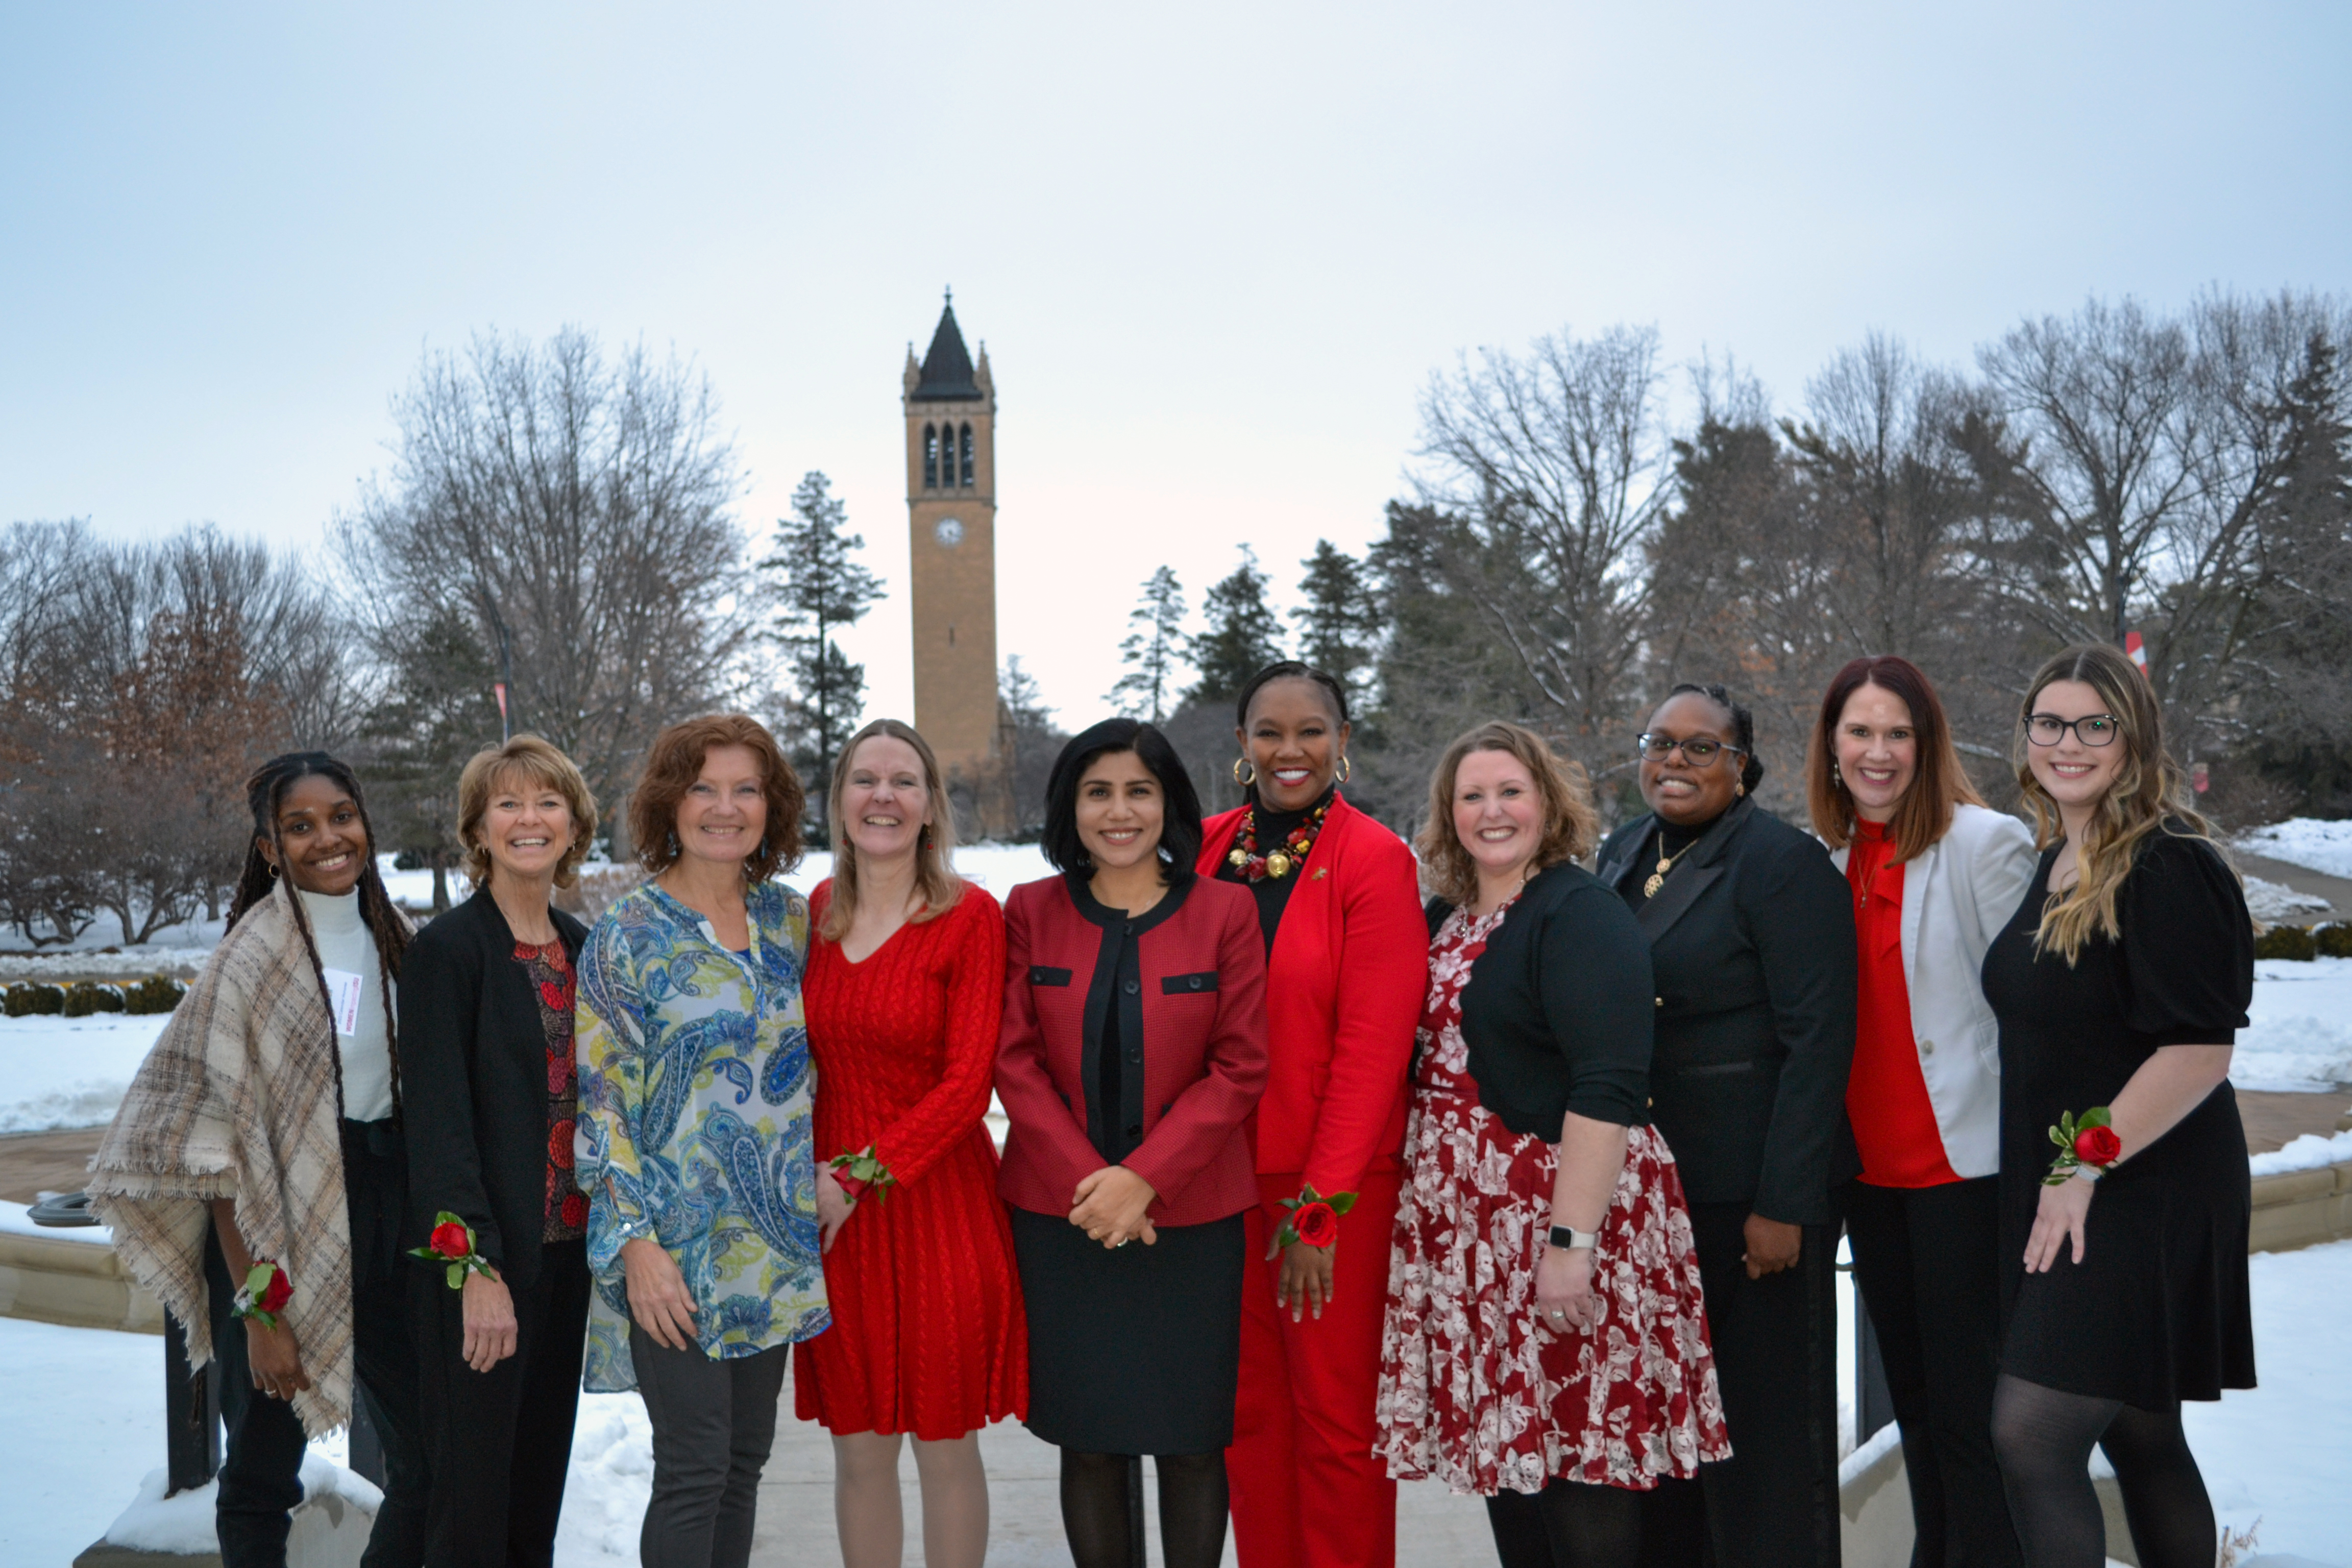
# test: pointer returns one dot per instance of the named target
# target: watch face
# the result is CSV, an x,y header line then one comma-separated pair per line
x,y
948,533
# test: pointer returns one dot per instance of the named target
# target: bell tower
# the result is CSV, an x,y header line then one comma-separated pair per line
x,y
951,408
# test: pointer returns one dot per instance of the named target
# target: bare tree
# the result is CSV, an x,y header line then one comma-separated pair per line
x,y
1556,465
574,511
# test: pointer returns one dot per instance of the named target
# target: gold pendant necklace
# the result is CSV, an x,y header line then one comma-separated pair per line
x,y
1665,863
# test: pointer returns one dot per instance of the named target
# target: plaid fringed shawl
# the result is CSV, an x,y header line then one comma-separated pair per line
x,y
239,1099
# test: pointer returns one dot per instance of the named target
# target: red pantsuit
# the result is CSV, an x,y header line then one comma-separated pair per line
x,y
1344,984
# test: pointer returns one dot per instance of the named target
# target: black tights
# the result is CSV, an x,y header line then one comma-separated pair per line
x,y
1103,1515
2043,1439
1569,1524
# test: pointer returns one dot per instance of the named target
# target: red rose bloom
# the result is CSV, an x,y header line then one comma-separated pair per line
x,y
280,1292
1316,1223
575,1210
559,1144
2097,1146
449,1241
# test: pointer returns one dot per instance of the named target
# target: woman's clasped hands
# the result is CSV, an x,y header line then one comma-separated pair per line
x,y
1111,1206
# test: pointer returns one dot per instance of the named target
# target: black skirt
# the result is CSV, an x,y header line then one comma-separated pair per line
x,y
1134,1350
2158,1310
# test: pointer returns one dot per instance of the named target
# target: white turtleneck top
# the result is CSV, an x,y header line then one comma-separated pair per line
x,y
355,995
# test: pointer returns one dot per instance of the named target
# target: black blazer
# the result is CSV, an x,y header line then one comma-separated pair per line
x,y
1556,1013
473,1082
1752,948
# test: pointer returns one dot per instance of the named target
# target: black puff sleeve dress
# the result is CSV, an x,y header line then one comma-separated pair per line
x,y
2157,1310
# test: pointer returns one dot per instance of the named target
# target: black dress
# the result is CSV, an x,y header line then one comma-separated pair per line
x,y
2157,1310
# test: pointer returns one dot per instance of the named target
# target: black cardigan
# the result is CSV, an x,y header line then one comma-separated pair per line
x,y
473,1079
1751,941
1556,1013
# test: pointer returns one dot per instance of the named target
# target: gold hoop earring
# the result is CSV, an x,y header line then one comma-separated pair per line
x,y
273,870
1241,763
1347,768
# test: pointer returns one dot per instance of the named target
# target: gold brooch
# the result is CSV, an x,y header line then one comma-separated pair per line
x,y
1317,874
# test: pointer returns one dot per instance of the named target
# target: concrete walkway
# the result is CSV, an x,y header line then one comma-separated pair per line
x,y
795,1528
2336,891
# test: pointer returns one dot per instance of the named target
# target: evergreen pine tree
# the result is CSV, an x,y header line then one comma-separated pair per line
x,y
1033,741
1154,652
1243,634
821,590
439,709
1338,621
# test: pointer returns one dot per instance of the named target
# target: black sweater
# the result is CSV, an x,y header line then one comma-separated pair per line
x,y
472,1076
1556,1013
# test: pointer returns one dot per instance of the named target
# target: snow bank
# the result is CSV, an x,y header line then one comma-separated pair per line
x,y
2309,1153
612,1478
2300,1038
85,1424
183,1524
2322,846
2275,902
59,1072
14,1221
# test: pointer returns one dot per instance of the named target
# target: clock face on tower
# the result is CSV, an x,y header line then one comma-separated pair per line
x,y
948,533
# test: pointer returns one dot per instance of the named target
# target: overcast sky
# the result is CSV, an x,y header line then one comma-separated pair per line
x,y
1215,251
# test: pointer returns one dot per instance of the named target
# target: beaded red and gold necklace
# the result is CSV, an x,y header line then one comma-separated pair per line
x,y
1285,857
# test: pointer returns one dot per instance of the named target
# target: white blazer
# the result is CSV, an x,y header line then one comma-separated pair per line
x,y
1957,896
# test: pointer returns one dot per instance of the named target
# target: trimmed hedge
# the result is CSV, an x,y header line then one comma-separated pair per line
x,y
156,994
2286,942
2334,940
30,997
84,997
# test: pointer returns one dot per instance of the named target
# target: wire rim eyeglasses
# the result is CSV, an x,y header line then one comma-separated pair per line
x,y
1700,751
2094,730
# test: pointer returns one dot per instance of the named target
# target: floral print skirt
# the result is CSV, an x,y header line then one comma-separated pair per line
x,y
1476,1390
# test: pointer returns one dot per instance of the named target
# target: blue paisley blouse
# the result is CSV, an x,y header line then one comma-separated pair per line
x,y
694,1128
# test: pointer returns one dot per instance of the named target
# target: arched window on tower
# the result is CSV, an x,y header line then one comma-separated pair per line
x,y
966,468
931,457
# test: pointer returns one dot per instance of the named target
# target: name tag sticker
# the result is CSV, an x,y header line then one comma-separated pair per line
x,y
344,999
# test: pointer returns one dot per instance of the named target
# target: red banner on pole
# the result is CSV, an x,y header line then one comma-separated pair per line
x,y
2136,650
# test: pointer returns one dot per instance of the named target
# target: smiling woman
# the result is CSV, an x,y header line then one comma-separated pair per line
x,y
269,1103
695,1122
487,1013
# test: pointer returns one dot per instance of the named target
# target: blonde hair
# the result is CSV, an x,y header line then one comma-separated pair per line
x,y
533,761
2148,795
934,879
1570,825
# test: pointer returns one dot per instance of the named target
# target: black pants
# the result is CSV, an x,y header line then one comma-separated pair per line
x,y
499,1442
1774,1503
260,1475
714,1422
1928,1262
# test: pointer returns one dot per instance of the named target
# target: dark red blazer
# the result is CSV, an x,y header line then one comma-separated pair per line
x,y
1345,985
1204,1009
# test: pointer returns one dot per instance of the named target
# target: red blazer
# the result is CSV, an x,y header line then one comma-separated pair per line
x,y
1203,1009
1345,985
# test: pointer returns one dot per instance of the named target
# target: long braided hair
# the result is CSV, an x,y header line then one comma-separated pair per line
x,y
263,793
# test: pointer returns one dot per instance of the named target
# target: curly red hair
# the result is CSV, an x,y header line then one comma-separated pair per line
x,y
674,763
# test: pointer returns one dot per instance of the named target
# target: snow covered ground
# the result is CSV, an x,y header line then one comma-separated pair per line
x,y
2302,1033
2316,846
69,1072
2275,1455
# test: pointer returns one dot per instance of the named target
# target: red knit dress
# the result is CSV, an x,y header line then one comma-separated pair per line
x,y
928,1335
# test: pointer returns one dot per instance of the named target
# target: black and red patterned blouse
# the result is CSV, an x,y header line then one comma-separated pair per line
x,y
550,974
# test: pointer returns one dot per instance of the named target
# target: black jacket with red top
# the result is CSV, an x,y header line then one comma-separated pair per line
x,y
1192,1029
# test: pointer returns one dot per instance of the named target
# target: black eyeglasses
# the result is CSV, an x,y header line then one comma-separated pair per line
x,y
2048,729
1699,752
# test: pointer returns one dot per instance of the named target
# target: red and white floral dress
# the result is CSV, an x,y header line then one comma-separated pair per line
x,y
1476,1390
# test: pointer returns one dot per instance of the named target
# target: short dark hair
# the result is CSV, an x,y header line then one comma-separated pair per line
x,y
1743,727
1290,669
1180,829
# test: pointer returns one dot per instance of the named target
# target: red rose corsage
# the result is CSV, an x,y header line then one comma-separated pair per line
x,y
861,1173
1312,1219
452,1245
2086,1146
264,1294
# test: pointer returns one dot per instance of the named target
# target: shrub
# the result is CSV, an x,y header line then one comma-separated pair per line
x,y
17,999
84,997
2334,940
2286,942
156,994
34,996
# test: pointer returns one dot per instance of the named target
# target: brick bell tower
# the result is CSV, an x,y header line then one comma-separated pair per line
x,y
951,408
